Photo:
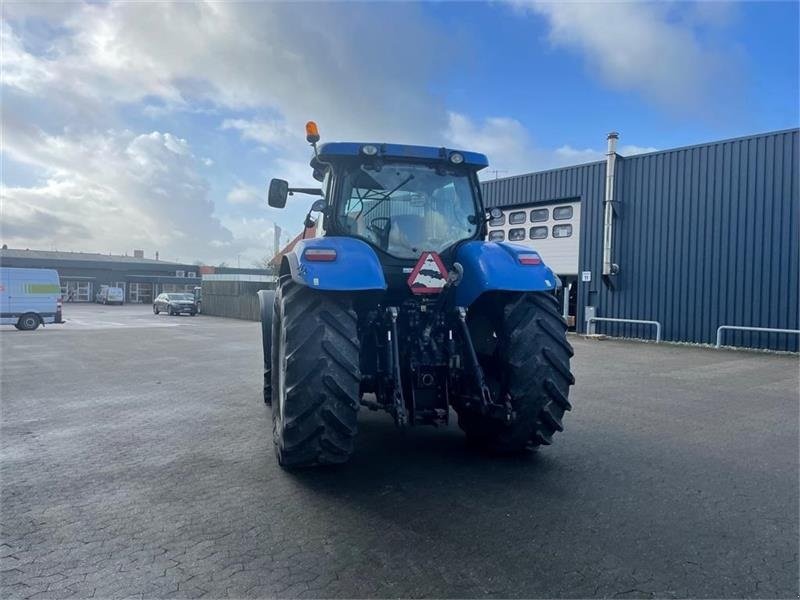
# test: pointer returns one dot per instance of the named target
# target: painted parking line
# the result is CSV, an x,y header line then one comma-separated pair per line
x,y
79,323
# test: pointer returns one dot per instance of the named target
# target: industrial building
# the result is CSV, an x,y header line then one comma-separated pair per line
x,y
691,238
82,273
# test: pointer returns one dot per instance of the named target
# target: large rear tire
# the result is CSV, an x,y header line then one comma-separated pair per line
x,y
525,356
315,376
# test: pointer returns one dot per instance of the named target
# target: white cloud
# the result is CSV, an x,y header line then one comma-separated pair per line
x,y
504,140
512,151
642,46
270,57
112,191
264,69
256,238
19,68
268,133
244,194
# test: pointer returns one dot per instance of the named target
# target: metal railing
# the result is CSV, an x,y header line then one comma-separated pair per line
x,y
758,329
639,321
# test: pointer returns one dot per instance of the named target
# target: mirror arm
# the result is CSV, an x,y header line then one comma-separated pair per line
x,y
309,191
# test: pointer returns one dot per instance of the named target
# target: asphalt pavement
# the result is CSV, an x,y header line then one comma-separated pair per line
x,y
136,461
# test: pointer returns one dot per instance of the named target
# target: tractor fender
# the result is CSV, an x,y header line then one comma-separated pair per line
x,y
495,266
355,267
265,301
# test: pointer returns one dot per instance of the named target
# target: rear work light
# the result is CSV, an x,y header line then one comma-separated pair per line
x,y
319,254
529,259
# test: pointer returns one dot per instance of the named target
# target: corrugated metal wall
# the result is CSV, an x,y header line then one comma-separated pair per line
x,y
236,299
705,236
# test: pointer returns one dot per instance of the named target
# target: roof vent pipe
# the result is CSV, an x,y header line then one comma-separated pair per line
x,y
609,268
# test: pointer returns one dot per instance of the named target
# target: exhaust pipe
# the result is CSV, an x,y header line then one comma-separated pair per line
x,y
609,268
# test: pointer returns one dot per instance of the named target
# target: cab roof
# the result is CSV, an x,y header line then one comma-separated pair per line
x,y
332,150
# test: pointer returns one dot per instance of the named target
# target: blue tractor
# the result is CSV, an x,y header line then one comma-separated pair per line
x,y
397,303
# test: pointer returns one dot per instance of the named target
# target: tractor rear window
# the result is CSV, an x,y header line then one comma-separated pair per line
x,y
406,209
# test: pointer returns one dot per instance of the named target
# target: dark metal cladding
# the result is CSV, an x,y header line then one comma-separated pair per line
x,y
704,236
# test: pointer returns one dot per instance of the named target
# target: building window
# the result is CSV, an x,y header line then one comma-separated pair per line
x,y
498,235
562,231
515,218
538,233
141,293
515,235
539,214
76,291
562,213
499,221
180,273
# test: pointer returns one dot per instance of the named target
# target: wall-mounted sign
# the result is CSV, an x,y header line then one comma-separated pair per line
x,y
586,276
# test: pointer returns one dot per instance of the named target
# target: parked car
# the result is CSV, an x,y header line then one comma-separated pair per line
x,y
29,297
110,295
175,303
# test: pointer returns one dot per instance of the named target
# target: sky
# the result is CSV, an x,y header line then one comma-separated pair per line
x,y
157,126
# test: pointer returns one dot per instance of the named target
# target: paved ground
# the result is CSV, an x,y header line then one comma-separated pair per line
x,y
137,461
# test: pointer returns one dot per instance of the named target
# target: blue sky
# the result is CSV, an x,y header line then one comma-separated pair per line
x,y
157,125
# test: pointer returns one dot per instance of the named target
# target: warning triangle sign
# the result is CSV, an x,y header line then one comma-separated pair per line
x,y
429,275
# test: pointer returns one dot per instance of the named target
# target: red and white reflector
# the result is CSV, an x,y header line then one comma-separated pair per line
x,y
529,259
429,275
319,254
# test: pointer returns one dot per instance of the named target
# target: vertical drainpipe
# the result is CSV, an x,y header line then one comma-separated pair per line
x,y
609,268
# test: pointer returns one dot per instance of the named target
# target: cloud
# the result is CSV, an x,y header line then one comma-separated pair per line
x,y
652,48
111,191
244,56
504,140
511,149
244,194
269,133
260,70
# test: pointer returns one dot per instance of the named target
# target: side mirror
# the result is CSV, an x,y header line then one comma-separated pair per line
x,y
319,206
278,192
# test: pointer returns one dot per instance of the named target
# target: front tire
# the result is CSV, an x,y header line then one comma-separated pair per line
x,y
315,376
28,322
155,310
528,361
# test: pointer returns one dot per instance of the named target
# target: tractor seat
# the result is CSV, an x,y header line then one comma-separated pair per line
x,y
407,231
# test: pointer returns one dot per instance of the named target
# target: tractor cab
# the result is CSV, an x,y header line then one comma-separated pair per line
x,y
403,201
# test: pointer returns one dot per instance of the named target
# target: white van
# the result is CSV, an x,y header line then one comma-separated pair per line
x,y
110,295
29,297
